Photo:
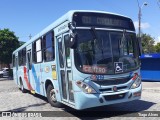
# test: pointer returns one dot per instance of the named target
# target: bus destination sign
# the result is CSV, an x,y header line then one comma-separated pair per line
x,y
103,20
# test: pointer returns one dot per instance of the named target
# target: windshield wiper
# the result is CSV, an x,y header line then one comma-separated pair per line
x,y
123,39
93,31
94,38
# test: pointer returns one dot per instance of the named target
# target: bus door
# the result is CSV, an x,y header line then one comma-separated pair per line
x,y
64,65
29,69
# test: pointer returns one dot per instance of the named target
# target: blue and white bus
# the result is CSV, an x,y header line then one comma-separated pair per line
x,y
84,59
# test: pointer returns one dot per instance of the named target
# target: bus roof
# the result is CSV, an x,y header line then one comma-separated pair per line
x,y
95,11
65,17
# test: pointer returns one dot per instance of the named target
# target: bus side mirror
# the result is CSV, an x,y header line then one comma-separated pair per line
x,y
71,41
139,46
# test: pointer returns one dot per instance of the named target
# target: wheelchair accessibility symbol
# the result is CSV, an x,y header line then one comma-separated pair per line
x,y
118,67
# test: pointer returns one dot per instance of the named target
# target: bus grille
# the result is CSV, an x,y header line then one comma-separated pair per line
x,y
114,97
111,82
110,89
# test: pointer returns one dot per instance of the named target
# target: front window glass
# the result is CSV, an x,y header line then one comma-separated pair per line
x,y
105,52
124,50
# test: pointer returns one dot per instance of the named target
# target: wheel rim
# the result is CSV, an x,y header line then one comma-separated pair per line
x,y
53,96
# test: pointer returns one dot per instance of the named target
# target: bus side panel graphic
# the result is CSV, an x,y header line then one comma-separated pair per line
x,y
26,79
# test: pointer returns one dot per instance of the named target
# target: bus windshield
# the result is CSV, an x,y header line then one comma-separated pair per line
x,y
106,52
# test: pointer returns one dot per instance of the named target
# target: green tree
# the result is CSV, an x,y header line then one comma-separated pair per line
x,y
147,43
21,43
8,43
157,47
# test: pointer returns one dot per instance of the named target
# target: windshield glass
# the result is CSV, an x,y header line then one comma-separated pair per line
x,y
105,52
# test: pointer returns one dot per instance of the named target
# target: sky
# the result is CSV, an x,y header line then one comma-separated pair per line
x,y
25,17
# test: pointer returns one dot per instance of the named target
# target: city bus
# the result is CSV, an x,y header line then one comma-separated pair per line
x,y
84,59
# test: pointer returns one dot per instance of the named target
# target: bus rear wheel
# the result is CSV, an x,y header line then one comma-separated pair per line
x,y
51,96
1,75
22,87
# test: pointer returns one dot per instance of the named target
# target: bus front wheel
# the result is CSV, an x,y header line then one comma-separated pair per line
x,y
51,96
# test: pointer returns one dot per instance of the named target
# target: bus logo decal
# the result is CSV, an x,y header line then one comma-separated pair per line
x,y
93,77
46,69
114,88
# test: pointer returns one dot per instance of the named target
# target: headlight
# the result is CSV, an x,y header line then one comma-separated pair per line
x,y
86,88
137,81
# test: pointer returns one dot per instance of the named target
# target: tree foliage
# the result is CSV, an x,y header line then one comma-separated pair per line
x,y
8,43
147,43
157,48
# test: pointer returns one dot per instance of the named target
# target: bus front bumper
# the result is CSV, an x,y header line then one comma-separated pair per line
x,y
84,100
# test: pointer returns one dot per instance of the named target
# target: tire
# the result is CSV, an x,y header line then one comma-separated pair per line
x,y
52,97
1,75
22,87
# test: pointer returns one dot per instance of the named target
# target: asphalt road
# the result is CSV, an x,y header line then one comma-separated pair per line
x,y
12,99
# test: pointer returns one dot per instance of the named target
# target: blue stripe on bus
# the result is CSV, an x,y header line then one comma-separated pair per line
x,y
37,80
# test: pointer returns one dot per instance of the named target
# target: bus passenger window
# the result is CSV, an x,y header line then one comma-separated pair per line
x,y
23,56
37,51
48,46
20,60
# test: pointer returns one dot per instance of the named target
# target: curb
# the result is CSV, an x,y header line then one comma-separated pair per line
x,y
3,79
151,90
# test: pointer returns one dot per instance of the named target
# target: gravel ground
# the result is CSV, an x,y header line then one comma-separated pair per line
x,y
12,99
